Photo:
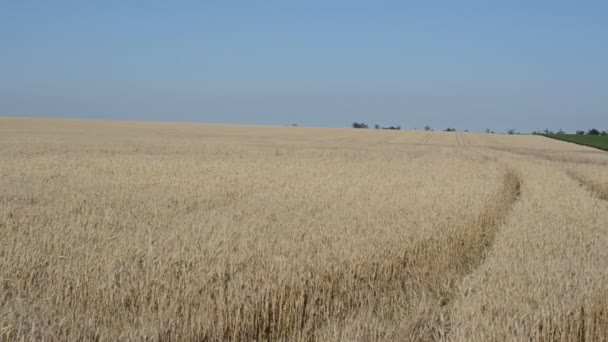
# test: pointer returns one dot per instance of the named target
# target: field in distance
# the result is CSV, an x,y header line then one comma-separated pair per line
x,y
597,141
115,230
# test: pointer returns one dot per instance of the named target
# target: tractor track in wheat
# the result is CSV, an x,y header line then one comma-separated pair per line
x,y
434,267
596,188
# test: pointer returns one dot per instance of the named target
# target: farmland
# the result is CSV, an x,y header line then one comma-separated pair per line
x,y
128,230
597,141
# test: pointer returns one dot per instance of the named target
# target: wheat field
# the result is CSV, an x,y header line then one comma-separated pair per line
x,y
115,230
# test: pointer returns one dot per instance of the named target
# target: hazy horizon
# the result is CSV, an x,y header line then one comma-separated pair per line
x,y
469,65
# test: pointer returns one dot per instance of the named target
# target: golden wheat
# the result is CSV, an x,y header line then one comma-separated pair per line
x,y
123,230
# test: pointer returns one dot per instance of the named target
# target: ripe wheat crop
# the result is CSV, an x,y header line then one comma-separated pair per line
x,y
127,231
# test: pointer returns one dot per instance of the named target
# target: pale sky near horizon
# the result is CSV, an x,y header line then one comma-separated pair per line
x,y
526,65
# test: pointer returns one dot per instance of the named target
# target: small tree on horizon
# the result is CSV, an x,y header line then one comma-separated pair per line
x,y
359,125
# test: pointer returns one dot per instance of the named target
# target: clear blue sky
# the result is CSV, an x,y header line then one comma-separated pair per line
x,y
465,64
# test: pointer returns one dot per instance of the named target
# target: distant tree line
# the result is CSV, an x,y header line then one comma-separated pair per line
x,y
376,126
592,131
